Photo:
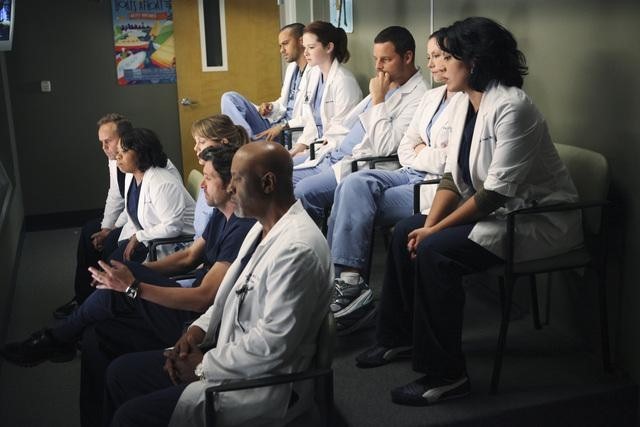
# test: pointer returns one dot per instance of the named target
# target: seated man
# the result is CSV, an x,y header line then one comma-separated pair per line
x,y
270,118
373,128
264,321
147,310
99,237
155,306
385,197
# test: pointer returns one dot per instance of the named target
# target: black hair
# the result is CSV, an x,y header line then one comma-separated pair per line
x,y
488,49
400,37
123,126
296,29
147,147
220,157
327,33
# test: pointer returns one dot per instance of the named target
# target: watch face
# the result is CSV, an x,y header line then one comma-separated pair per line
x,y
132,292
199,371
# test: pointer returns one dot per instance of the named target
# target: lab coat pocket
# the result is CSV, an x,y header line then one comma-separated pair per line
x,y
246,299
488,140
441,139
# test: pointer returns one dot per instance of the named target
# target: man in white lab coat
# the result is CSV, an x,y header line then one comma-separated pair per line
x,y
374,127
267,120
264,320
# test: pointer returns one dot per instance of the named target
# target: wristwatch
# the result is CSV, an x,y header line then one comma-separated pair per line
x,y
199,371
132,290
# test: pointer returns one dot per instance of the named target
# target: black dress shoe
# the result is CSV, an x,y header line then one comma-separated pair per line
x,y
38,348
379,355
429,390
66,309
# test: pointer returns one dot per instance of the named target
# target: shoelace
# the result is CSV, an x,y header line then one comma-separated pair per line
x,y
340,285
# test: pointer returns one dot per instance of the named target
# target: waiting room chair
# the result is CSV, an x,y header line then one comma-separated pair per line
x,y
194,179
590,173
320,372
286,136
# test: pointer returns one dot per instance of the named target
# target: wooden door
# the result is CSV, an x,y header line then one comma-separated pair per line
x,y
254,64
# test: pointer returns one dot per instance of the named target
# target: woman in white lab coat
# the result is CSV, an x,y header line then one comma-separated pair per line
x,y
500,158
331,90
156,202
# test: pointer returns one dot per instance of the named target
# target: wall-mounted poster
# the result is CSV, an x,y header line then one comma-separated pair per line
x,y
143,41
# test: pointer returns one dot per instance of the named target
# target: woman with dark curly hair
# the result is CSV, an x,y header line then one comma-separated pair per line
x,y
156,202
500,158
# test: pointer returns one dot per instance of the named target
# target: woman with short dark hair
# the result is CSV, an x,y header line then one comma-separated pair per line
x,y
156,202
500,158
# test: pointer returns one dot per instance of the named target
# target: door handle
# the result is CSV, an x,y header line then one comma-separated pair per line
x,y
186,102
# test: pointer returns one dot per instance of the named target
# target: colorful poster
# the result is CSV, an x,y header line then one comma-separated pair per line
x,y
143,41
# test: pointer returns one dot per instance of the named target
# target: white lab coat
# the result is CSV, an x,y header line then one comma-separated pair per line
x,y
384,126
433,157
114,214
280,105
291,278
340,94
165,208
513,155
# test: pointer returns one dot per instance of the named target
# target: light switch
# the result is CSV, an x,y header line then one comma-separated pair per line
x,y
45,86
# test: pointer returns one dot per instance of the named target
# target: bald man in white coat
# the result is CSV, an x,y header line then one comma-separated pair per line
x,y
266,314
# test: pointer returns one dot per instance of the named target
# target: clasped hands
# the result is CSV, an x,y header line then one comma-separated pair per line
x,y
415,237
182,359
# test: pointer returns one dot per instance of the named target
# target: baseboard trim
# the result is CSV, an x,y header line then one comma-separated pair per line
x,y
58,220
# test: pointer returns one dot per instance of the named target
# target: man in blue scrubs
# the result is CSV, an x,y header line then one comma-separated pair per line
x,y
267,120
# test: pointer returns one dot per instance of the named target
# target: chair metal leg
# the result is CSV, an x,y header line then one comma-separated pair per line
x,y
328,397
507,297
324,226
547,309
501,289
535,310
604,322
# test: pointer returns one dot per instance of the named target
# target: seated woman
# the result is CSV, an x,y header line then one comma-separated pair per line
x,y
500,158
331,90
384,197
156,202
209,132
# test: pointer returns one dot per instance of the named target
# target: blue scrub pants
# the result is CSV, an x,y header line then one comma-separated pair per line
x,y
361,200
422,300
139,392
243,113
315,187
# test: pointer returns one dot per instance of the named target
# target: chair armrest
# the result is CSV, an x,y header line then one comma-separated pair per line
x,y
257,383
416,192
189,275
153,244
287,135
312,149
558,207
373,161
